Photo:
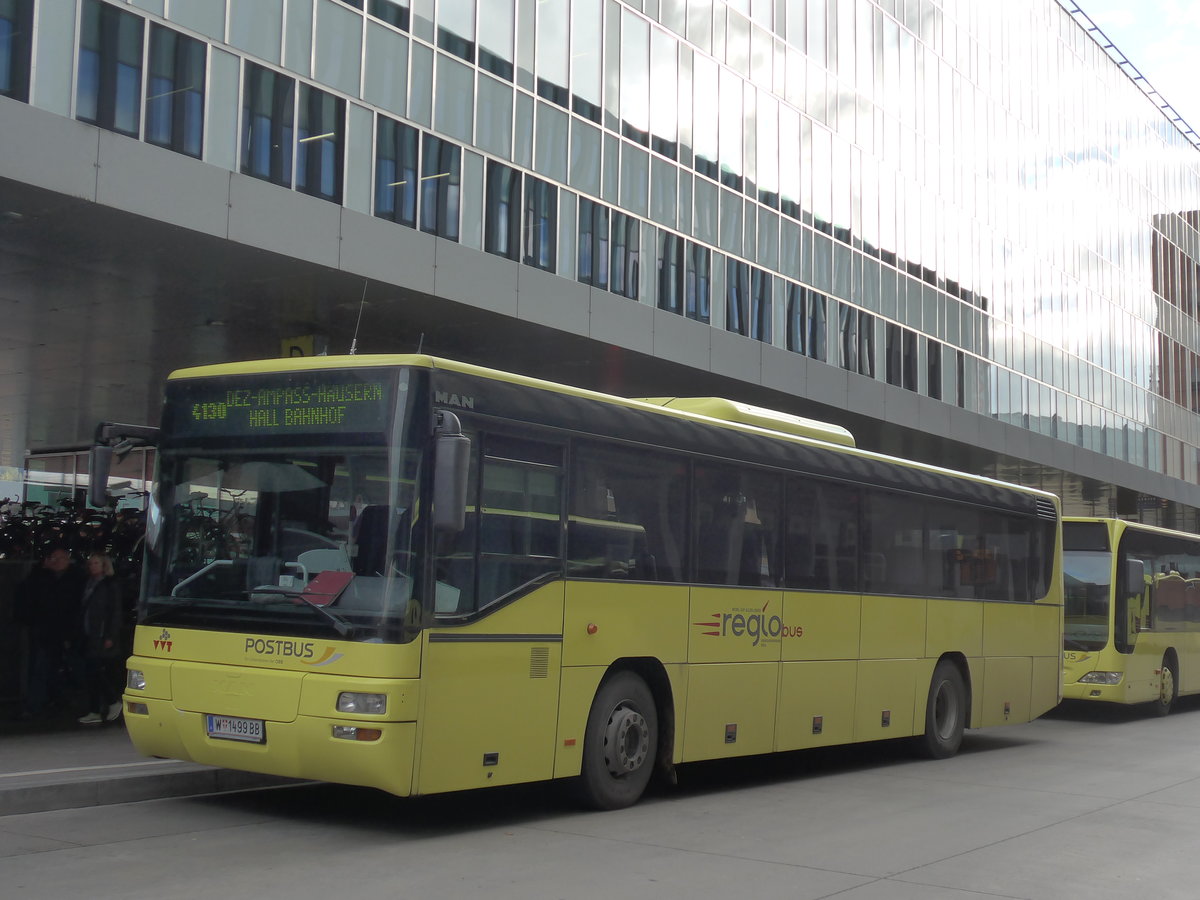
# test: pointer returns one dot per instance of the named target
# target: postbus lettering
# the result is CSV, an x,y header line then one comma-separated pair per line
x,y
294,649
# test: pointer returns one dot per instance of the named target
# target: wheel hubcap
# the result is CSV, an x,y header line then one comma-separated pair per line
x,y
1167,687
626,741
945,711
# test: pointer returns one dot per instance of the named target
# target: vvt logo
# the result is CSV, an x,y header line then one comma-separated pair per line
x,y
163,641
758,625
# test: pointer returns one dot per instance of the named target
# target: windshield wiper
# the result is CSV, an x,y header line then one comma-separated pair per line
x,y
344,628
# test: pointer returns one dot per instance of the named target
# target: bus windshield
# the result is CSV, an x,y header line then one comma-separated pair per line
x,y
1087,580
292,531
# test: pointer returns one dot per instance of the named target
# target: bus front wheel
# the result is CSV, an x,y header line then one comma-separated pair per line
x,y
1168,688
620,744
945,712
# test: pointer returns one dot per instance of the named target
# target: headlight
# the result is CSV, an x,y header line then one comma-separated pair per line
x,y
135,679
363,704
1101,678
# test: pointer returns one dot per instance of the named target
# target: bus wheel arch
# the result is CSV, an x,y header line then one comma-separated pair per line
x,y
629,734
1168,684
948,708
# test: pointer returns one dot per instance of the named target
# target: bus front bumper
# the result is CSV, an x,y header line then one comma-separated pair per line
x,y
304,748
1081,690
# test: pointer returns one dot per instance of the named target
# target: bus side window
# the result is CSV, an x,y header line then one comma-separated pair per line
x,y
822,539
737,527
626,515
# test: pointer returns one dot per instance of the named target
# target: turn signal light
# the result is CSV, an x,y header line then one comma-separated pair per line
x,y
353,733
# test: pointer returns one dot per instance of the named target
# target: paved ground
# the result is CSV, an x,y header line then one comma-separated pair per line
x,y
1103,804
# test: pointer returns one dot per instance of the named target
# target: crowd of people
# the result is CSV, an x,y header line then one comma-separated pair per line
x,y
76,636
71,582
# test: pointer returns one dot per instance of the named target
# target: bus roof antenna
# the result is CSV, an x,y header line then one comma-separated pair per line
x,y
361,303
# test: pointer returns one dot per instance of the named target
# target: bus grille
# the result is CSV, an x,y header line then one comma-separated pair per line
x,y
1046,510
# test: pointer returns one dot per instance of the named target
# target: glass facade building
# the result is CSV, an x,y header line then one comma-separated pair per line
x,y
970,203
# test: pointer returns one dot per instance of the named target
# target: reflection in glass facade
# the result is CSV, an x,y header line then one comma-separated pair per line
x,y
970,202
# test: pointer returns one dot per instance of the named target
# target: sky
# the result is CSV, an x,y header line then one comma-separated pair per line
x,y
1162,39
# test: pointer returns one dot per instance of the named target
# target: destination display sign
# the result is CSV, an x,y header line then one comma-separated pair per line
x,y
348,401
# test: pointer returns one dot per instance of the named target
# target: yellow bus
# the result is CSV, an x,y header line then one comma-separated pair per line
x,y
1132,615
425,576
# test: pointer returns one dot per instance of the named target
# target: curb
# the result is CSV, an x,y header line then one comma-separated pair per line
x,y
104,785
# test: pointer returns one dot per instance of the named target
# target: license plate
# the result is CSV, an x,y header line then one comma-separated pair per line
x,y
231,728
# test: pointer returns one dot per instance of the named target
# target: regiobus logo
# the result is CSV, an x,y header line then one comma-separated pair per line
x,y
759,625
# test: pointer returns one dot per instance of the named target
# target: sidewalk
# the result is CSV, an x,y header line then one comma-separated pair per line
x,y
62,765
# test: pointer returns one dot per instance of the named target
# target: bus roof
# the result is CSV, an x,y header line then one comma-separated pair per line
x,y
728,414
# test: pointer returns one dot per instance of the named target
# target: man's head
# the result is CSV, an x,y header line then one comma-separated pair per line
x,y
58,560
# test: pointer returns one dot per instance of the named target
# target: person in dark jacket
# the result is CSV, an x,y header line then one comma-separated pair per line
x,y
48,607
100,611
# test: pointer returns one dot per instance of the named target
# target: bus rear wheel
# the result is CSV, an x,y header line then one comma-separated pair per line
x,y
945,712
620,744
1168,688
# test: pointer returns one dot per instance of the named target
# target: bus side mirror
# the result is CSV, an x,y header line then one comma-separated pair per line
x,y
452,460
99,464
1135,577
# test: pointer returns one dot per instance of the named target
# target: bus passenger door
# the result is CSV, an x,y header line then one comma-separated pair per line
x,y
491,663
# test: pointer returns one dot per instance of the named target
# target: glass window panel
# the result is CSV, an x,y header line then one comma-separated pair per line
x,y
553,51
664,192
635,179
454,110
732,208
593,243
585,158
670,272
551,142
737,43
769,151
441,178
737,296
110,68
664,113
496,39
268,119
731,129
789,162
175,91
502,212
386,81
699,24
760,319
396,154
697,285
624,268
494,117
848,343
635,78
612,66
706,211
541,224
705,121
16,48
456,27
320,140
394,12
587,79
